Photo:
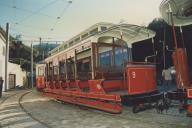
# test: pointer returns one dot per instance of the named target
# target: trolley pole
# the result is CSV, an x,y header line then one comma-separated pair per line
x,y
31,64
7,57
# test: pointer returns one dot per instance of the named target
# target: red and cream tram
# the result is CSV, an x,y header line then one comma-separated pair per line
x,y
95,69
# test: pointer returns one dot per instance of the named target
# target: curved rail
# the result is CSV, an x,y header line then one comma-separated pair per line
x,y
28,113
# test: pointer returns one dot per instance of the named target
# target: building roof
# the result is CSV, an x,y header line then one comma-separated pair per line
x,y
181,9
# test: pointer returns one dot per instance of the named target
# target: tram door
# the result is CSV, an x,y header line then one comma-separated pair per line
x,y
12,81
40,76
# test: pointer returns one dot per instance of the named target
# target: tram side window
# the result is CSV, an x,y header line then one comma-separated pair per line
x,y
41,71
105,58
50,72
55,70
70,65
84,66
61,68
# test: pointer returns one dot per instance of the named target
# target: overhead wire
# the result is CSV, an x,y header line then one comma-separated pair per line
x,y
60,16
38,11
32,14
25,10
14,5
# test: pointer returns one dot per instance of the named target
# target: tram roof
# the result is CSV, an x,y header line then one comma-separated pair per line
x,y
181,9
130,34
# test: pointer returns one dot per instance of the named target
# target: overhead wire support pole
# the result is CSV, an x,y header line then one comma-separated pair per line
x,y
40,49
7,57
32,64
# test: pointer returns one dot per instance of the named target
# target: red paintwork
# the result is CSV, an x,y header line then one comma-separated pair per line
x,y
182,69
189,110
40,82
83,84
97,104
141,79
113,85
104,94
189,93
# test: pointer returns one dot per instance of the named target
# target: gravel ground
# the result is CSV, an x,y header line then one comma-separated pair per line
x,y
61,115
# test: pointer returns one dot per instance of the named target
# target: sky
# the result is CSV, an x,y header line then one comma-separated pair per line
x,y
59,20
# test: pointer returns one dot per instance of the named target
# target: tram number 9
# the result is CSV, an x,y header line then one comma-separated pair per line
x,y
133,75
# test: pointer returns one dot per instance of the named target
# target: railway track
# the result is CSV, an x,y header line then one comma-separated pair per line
x,y
7,98
126,115
28,113
19,102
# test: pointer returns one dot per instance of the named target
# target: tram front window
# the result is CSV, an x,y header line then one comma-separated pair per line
x,y
105,58
119,57
41,71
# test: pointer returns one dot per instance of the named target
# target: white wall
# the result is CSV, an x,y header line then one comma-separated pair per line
x,y
12,68
2,60
17,70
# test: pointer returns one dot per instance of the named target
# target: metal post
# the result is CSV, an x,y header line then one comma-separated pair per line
x,y
164,64
7,57
154,52
66,75
32,65
93,60
173,27
40,49
75,63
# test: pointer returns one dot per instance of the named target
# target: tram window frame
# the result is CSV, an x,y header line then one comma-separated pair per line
x,y
84,65
50,69
85,35
94,31
70,65
103,28
77,39
62,67
102,57
55,70
119,57
41,71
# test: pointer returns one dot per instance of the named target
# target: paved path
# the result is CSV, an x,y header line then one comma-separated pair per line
x,y
11,113
54,114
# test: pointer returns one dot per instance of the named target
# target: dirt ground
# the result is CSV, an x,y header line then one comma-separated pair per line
x,y
38,111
